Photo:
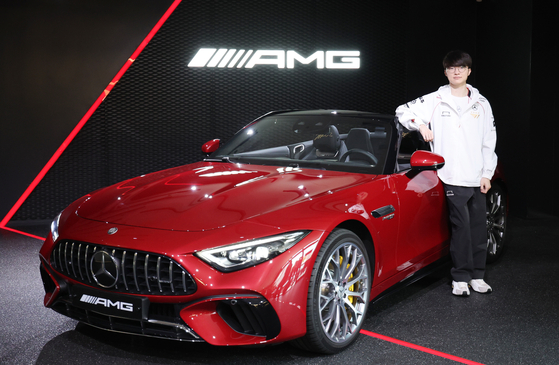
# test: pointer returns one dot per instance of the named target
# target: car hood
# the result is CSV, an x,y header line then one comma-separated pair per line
x,y
206,196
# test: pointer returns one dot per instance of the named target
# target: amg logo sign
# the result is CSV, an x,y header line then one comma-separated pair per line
x,y
232,58
123,306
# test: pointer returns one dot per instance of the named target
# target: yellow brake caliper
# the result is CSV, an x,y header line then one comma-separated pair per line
x,y
351,298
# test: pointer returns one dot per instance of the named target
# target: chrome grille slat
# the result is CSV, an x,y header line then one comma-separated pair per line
x,y
86,261
59,256
122,266
79,260
66,255
139,272
114,255
171,276
72,262
146,272
159,274
135,271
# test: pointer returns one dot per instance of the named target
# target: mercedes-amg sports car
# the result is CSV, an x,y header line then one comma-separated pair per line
x,y
285,232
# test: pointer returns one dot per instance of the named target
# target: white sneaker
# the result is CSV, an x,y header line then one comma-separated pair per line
x,y
480,286
460,288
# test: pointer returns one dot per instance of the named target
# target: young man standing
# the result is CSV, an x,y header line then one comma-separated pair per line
x,y
458,122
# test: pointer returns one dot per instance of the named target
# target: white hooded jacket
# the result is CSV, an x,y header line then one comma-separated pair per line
x,y
465,138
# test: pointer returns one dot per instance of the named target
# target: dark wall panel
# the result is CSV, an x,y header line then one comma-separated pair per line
x,y
436,27
541,159
504,56
56,58
161,112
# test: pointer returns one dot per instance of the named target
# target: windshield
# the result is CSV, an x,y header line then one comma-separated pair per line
x,y
325,141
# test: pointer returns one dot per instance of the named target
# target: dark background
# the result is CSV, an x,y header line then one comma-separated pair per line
x,y
57,57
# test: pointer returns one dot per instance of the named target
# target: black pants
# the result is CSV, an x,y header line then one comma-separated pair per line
x,y
468,241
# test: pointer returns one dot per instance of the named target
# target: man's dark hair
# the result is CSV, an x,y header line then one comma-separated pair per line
x,y
457,58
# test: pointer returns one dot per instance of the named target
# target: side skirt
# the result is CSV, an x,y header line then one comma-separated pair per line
x,y
420,274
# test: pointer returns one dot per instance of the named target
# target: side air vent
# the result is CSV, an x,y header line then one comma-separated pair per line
x,y
254,317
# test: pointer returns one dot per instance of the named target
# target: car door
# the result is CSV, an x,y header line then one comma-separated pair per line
x,y
424,233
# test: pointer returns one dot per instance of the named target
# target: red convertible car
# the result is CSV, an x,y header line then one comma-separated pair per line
x,y
286,232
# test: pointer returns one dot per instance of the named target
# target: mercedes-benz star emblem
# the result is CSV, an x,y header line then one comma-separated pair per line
x,y
104,268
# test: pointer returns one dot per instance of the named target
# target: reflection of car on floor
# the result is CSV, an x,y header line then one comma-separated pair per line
x,y
284,233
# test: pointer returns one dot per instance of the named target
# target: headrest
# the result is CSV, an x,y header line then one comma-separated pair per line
x,y
328,142
359,138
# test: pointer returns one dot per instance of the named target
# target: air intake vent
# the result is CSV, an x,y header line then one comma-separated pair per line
x,y
254,317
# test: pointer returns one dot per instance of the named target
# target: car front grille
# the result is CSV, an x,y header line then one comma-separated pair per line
x,y
137,272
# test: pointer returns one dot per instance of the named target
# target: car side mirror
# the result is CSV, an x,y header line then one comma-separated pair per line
x,y
210,147
425,160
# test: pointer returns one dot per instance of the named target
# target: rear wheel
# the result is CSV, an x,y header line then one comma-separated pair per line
x,y
496,213
338,294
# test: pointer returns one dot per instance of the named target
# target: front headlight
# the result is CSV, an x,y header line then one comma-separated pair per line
x,y
245,254
54,227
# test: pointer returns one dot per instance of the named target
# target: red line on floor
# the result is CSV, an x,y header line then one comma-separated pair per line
x,y
23,233
420,348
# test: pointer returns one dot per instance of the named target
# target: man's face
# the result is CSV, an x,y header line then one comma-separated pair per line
x,y
458,75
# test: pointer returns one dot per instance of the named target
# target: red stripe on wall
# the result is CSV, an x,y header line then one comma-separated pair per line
x,y
87,115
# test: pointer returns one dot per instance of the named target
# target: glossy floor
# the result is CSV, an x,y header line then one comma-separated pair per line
x,y
517,324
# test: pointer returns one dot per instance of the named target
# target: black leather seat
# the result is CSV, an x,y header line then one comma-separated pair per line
x,y
359,147
329,145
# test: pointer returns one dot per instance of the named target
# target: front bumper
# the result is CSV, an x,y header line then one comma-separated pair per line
x,y
262,304
250,317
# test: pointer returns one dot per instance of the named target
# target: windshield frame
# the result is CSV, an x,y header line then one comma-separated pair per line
x,y
284,139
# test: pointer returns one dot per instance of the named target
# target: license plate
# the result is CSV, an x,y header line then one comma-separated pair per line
x,y
111,304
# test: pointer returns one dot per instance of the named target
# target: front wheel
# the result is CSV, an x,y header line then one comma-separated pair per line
x,y
338,294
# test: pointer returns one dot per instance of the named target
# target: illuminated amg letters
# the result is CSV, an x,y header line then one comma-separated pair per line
x,y
232,58
318,56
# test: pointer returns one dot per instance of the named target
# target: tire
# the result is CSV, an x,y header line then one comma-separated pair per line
x,y
496,213
338,296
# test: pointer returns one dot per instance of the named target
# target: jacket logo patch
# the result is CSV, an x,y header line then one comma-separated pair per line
x,y
445,113
475,111
449,193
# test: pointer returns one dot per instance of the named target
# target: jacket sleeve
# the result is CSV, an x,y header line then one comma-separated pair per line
x,y
489,143
416,112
